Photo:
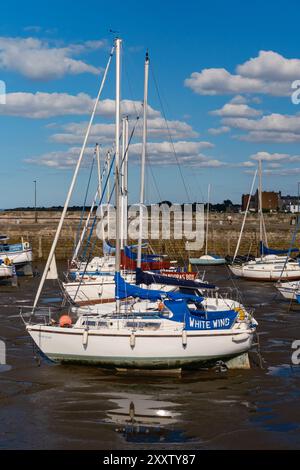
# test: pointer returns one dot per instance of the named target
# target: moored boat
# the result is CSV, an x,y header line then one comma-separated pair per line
x,y
19,254
288,290
208,260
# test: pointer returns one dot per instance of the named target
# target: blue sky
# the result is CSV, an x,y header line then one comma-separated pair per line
x,y
224,72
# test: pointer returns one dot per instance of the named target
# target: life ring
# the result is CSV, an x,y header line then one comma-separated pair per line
x,y
65,321
241,312
160,306
7,262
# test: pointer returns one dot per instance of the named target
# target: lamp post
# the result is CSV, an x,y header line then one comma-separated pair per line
x,y
35,211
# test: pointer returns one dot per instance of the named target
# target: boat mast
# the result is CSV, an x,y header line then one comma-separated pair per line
x,y
245,217
207,219
69,195
118,44
125,198
260,204
144,149
124,181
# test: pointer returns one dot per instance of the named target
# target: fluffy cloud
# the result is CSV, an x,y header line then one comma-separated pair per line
x,y
59,159
273,128
269,73
38,60
266,156
220,82
236,110
44,105
73,133
219,130
270,65
158,153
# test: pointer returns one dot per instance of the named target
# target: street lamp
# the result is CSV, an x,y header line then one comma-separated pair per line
x,y
35,212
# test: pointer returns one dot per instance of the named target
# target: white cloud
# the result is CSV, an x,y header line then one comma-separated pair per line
x,y
220,82
273,127
236,110
270,65
73,133
39,60
219,130
269,73
187,153
239,99
44,105
246,164
266,156
59,159
274,165
158,153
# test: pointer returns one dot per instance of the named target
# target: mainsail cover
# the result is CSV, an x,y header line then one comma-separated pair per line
x,y
264,250
148,278
145,258
124,290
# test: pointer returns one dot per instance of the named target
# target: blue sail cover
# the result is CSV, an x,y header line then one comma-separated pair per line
x,y
124,290
148,278
108,249
203,320
145,258
264,250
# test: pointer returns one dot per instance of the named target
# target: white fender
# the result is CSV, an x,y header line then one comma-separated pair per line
x,y
132,340
85,337
184,338
240,338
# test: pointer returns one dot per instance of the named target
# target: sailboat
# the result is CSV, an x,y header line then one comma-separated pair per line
x,y
207,259
143,328
272,265
19,254
6,269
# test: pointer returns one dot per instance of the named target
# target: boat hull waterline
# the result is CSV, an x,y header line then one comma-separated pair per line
x,y
267,274
114,349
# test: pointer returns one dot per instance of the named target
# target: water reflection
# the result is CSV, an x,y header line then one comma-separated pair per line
x,y
141,418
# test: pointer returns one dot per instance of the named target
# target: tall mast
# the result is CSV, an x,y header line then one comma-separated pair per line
x,y
207,219
108,192
125,198
142,193
245,217
124,181
98,167
118,44
71,189
122,185
260,203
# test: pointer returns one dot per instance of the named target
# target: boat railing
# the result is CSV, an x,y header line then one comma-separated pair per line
x,y
31,315
225,293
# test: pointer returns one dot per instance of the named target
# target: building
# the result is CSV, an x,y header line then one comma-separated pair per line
x,y
289,203
245,199
270,201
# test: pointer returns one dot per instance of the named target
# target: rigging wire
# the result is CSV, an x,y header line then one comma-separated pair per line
x,y
169,133
85,199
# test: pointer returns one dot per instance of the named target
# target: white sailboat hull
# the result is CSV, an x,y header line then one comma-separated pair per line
x,y
267,270
5,271
288,290
152,349
18,258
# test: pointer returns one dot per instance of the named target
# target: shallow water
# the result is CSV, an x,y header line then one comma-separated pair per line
x,y
49,406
